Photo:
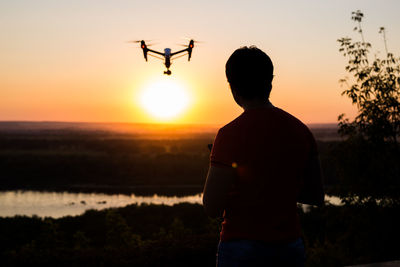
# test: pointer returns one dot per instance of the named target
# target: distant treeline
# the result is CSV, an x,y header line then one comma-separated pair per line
x,y
183,235
93,161
101,162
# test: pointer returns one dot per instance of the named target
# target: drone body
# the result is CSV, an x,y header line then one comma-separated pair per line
x,y
167,55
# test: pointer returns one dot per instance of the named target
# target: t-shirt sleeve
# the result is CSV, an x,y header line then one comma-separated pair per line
x,y
222,152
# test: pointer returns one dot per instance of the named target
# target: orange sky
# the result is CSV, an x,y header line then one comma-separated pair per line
x,y
69,61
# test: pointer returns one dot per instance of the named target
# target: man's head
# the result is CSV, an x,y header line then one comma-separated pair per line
x,y
249,72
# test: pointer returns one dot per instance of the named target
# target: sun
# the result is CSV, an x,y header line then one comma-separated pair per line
x,y
165,99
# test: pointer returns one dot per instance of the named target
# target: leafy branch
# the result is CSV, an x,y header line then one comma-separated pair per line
x,y
375,90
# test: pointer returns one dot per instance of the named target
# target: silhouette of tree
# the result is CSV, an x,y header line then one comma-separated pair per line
x,y
367,162
375,90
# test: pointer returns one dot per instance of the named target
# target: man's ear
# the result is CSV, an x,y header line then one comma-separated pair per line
x,y
236,97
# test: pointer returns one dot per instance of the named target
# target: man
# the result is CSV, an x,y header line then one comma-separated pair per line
x,y
262,164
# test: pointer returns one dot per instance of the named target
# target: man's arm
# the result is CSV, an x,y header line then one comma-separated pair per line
x,y
312,192
216,189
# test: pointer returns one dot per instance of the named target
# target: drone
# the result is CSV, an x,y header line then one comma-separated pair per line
x,y
168,55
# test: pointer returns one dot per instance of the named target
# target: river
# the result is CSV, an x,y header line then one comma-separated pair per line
x,y
59,204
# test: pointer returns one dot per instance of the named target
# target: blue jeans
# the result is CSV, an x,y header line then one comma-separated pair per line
x,y
246,253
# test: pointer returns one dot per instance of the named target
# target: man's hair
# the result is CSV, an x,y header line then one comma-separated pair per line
x,y
249,72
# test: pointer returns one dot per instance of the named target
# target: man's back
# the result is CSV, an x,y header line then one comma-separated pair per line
x,y
262,163
269,149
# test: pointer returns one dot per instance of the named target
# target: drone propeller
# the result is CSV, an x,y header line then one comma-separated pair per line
x,y
186,45
192,39
139,41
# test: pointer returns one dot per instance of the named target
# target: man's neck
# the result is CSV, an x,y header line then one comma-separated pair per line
x,y
256,104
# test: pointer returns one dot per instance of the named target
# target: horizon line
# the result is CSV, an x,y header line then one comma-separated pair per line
x,y
148,123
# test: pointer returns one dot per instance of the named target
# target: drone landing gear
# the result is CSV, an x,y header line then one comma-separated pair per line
x,y
168,72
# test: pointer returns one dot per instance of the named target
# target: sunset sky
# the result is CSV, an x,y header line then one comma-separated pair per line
x,y
69,60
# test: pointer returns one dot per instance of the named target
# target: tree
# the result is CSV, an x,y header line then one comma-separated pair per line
x,y
368,160
375,90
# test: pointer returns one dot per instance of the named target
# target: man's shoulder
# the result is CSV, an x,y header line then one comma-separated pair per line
x,y
293,120
274,116
299,129
232,126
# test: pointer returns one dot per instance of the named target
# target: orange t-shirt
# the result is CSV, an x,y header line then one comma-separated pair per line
x,y
270,150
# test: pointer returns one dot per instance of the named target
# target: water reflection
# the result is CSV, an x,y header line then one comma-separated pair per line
x,y
59,204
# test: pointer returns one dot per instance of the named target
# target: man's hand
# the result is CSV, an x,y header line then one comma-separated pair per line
x,y
312,192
